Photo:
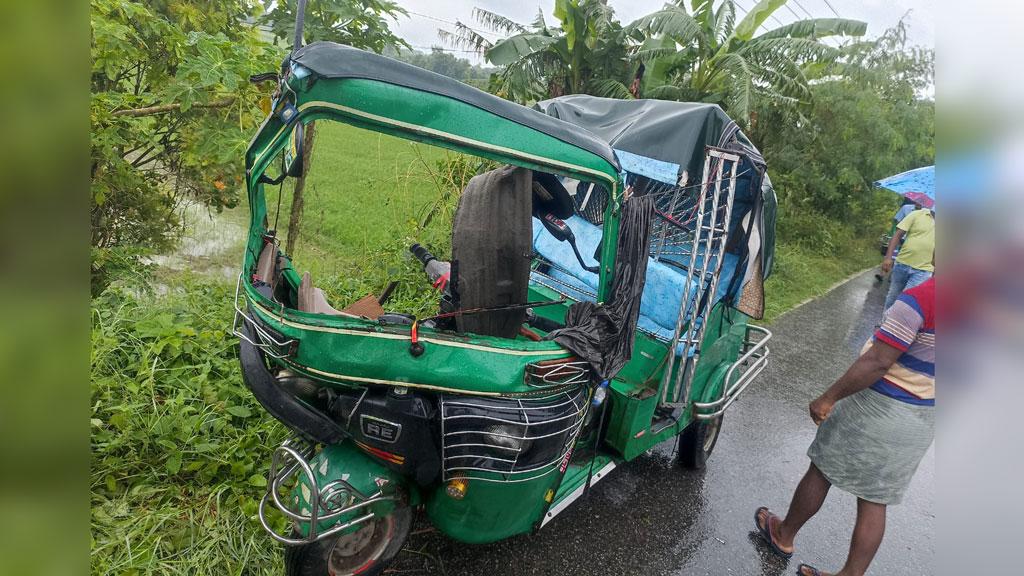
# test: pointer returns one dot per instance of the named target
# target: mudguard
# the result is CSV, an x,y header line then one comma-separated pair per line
x,y
283,406
709,379
347,478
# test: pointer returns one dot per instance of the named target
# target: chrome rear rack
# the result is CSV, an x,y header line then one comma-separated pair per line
x,y
712,213
752,362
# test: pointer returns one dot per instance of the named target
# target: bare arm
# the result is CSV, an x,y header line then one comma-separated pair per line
x,y
897,237
864,372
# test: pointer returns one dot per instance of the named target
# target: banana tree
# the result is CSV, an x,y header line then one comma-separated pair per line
x,y
585,53
704,54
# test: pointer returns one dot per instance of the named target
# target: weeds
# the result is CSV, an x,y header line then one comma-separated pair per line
x,y
178,444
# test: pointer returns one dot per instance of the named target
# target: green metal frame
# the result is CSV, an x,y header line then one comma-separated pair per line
x,y
433,119
495,364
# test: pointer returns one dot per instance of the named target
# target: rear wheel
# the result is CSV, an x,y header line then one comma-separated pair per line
x,y
697,442
367,551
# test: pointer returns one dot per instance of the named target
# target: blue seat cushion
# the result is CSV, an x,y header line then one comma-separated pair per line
x,y
663,288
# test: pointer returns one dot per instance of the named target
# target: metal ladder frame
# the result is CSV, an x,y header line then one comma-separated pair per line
x,y
676,394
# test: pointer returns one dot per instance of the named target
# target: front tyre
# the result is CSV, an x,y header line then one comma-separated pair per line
x,y
366,551
698,441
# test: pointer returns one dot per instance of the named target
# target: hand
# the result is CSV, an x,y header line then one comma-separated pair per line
x,y
887,264
820,409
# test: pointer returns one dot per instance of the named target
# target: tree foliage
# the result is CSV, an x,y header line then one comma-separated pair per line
x,y
360,23
857,128
704,54
691,51
171,111
585,53
444,63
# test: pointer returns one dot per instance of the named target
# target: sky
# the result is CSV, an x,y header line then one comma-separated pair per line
x,y
426,16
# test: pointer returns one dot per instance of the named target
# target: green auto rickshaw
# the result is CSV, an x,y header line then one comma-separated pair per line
x,y
595,303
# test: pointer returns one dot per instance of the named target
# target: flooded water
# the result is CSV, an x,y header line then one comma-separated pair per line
x,y
211,246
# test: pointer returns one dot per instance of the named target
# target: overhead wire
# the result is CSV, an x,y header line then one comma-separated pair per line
x,y
747,11
802,9
455,23
832,8
793,12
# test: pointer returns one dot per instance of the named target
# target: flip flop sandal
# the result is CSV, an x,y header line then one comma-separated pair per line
x,y
811,570
766,532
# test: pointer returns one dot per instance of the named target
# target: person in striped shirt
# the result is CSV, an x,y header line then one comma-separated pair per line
x,y
874,426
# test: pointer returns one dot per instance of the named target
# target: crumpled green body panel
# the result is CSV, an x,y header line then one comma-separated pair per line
x,y
491,511
355,351
635,391
345,462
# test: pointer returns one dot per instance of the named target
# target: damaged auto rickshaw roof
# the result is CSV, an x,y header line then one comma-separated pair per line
x,y
328,80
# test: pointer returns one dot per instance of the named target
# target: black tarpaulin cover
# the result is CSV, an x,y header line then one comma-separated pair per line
x,y
603,335
674,132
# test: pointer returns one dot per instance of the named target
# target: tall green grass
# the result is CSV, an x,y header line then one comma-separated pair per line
x,y
369,197
801,273
179,446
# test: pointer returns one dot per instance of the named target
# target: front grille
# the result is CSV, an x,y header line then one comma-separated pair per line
x,y
509,439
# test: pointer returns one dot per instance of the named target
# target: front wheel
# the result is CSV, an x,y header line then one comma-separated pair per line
x,y
698,441
367,551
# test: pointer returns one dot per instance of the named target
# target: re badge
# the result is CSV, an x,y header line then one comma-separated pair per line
x,y
378,429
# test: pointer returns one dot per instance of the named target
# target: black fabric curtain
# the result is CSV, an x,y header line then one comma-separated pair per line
x,y
603,335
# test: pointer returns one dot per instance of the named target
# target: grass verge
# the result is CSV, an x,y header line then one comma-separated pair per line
x,y
801,273
179,446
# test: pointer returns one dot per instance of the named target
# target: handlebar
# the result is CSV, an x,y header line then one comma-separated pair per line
x,y
421,254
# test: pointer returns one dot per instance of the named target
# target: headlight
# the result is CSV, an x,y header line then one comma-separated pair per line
x,y
509,437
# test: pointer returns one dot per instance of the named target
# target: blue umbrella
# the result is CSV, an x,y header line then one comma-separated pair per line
x,y
917,185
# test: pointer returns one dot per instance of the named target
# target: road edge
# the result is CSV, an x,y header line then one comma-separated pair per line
x,y
829,289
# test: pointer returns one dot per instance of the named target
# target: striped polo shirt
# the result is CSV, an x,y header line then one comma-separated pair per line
x,y
909,326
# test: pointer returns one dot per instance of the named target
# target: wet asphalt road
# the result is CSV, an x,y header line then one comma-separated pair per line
x,y
650,516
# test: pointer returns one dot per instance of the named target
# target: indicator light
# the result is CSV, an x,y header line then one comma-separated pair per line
x,y
456,488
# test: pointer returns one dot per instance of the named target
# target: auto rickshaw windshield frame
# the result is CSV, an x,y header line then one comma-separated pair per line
x,y
438,111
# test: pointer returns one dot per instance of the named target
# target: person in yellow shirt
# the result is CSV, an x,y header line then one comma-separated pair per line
x,y
915,262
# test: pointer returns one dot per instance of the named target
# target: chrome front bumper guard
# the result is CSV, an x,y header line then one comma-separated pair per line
x,y
291,464
272,346
752,361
